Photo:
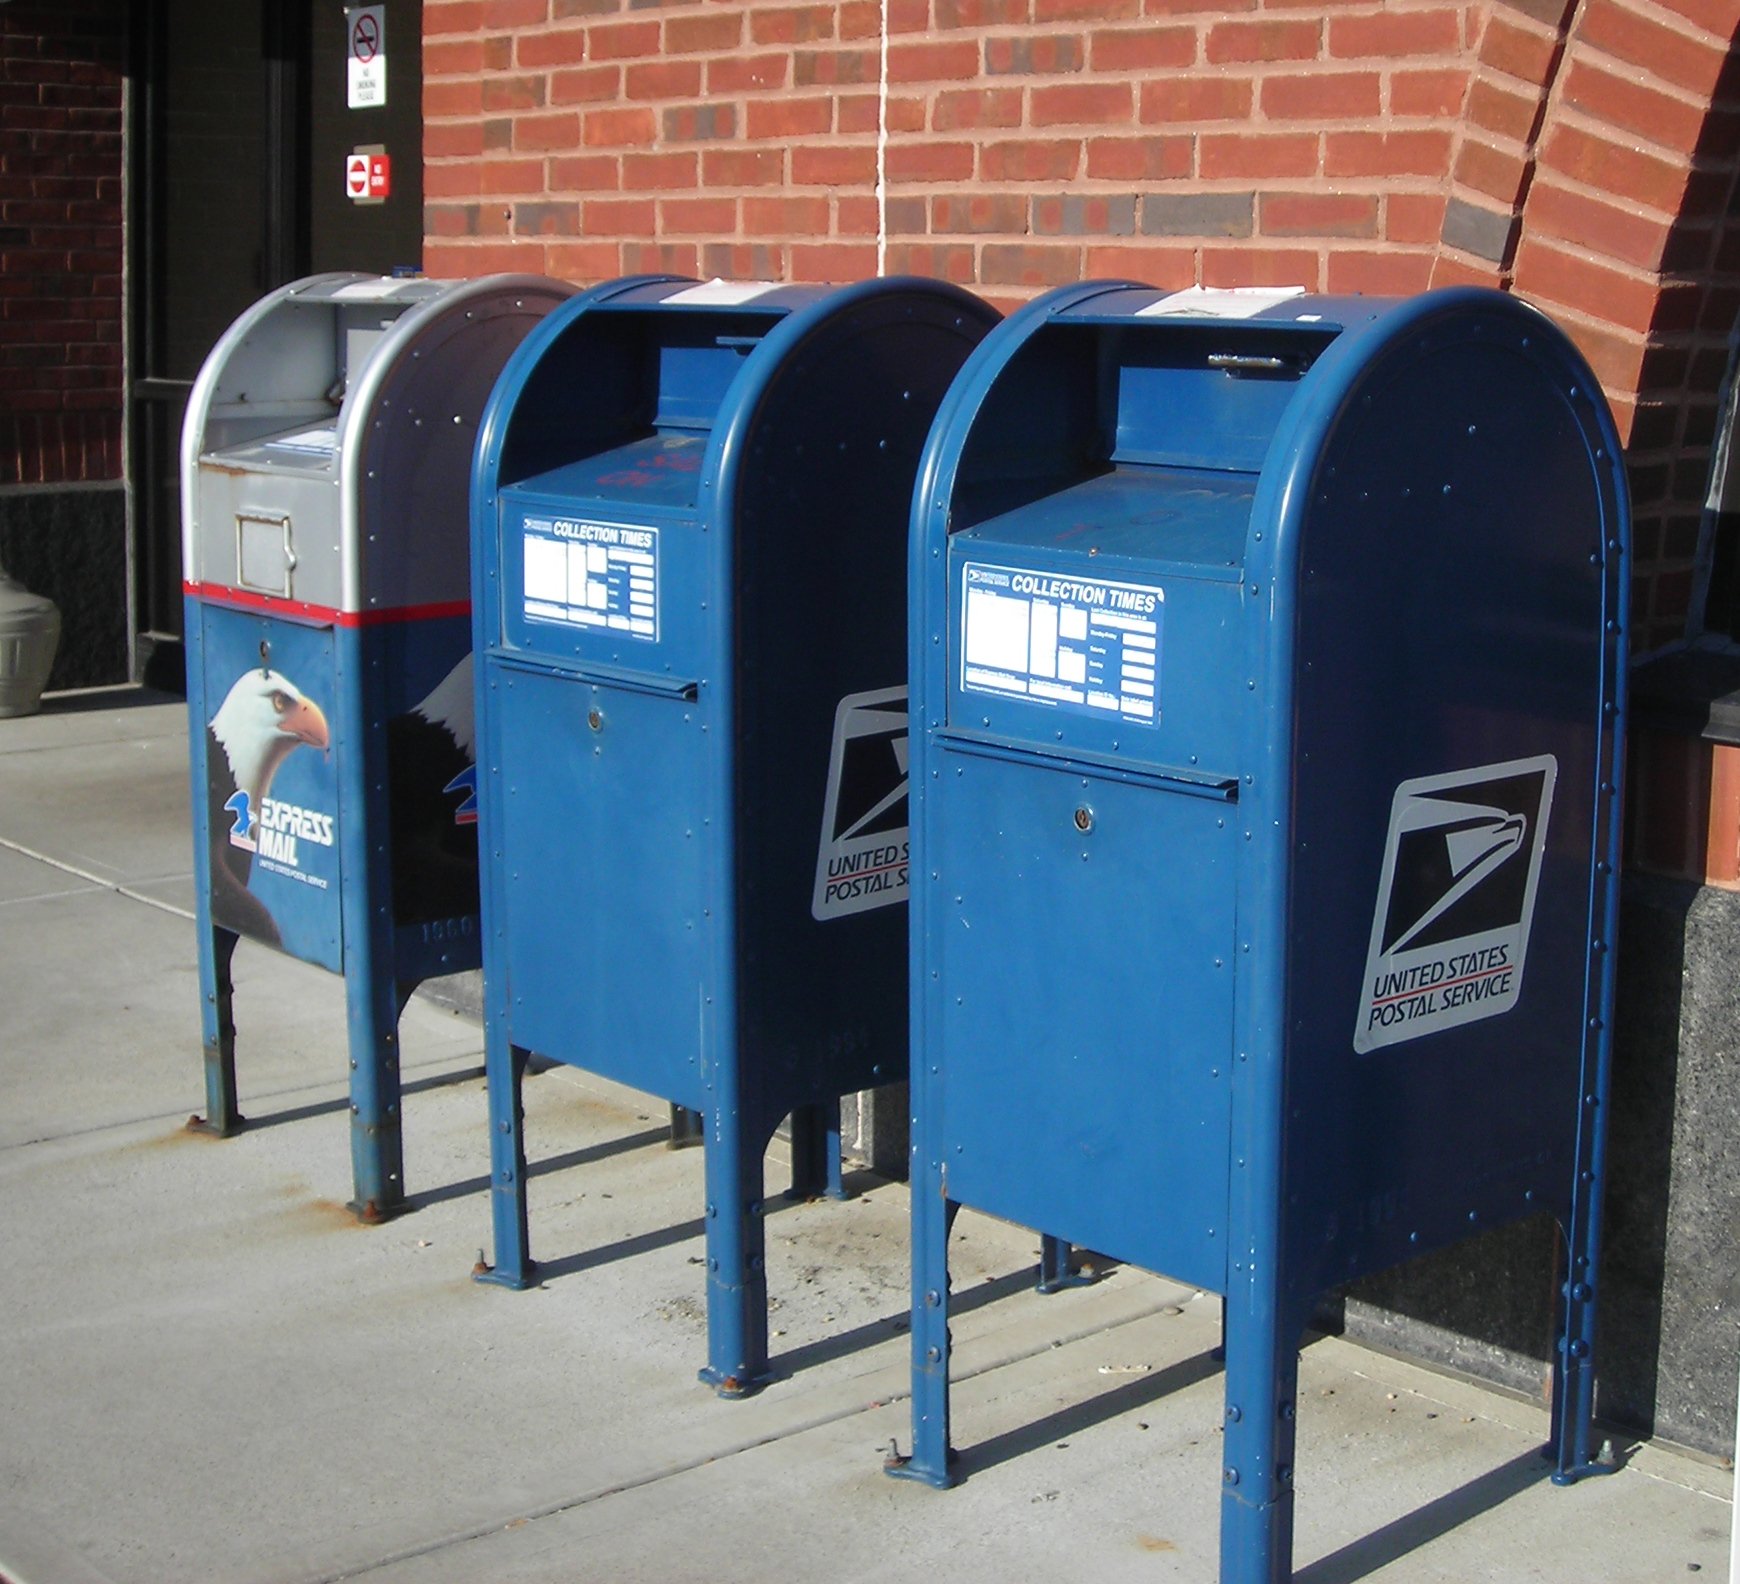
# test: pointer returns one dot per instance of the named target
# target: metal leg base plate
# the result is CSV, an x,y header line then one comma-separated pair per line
x,y
492,1277
732,1385
897,1465
199,1124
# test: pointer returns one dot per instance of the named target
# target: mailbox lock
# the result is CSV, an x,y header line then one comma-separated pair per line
x,y
595,718
1084,819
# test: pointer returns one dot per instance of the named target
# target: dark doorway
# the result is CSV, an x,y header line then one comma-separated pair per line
x,y
238,136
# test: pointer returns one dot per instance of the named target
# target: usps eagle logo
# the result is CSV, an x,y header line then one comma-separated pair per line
x,y
1456,900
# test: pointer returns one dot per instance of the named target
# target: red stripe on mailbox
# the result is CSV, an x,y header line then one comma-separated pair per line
x,y
245,599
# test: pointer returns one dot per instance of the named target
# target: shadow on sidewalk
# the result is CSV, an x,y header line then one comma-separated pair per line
x,y
1059,1426
1437,1518
254,1121
577,1157
82,701
809,1354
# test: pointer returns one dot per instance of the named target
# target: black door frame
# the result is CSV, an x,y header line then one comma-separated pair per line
x,y
156,396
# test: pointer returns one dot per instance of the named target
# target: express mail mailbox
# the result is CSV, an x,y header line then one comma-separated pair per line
x,y
691,507
1268,660
324,472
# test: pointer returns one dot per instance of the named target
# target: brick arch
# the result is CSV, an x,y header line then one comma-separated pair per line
x,y
1521,50
1594,174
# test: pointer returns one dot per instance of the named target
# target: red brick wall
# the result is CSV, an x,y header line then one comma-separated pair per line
x,y
1581,152
60,240
1029,142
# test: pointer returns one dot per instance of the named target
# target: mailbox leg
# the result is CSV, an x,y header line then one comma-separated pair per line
x,y
1572,1446
686,1128
736,1256
932,1216
505,1077
1056,1262
217,947
1573,1434
377,1152
815,1152
1262,1386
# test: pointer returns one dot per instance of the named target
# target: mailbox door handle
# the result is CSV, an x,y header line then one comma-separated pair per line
x,y
629,680
1197,783
1257,363
265,551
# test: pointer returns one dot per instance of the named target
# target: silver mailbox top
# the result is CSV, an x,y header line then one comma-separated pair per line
x,y
347,406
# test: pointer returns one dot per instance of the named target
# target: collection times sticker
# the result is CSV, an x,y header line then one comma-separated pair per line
x,y
1450,931
863,856
593,574
1086,645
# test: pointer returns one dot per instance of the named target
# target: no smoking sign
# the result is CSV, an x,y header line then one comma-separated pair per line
x,y
368,178
366,71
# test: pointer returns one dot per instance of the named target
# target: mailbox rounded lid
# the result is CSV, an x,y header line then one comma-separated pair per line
x,y
1112,442
647,406
307,404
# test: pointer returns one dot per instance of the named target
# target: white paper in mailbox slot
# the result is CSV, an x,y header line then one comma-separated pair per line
x,y
1202,302
722,293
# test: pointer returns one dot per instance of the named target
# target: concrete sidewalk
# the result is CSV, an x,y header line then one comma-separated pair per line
x,y
209,1372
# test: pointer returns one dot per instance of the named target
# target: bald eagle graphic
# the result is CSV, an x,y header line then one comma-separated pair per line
x,y
432,795
263,719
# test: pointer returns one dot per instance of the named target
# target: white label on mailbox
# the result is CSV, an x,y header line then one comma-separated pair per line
x,y
368,290
863,855
1450,931
1238,302
718,293
593,574
1083,644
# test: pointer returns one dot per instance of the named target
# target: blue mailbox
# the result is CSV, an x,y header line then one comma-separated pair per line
x,y
1268,666
324,467
690,507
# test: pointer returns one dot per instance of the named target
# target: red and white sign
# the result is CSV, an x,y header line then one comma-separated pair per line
x,y
365,37
367,177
